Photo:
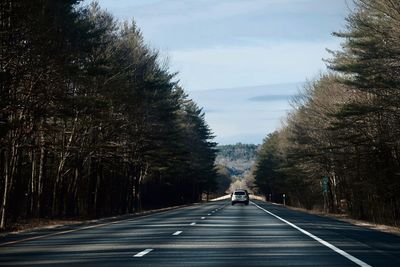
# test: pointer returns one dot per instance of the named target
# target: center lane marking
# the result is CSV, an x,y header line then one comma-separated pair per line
x,y
323,242
177,233
142,253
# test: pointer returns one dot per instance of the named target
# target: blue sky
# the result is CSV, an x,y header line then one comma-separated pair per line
x,y
257,51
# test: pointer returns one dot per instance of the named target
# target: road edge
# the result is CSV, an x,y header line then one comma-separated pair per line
x,y
92,222
384,228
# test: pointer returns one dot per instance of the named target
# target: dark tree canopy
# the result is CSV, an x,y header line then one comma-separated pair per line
x,y
345,126
92,123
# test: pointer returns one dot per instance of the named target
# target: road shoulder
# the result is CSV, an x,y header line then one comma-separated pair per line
x,y
57,224
345,218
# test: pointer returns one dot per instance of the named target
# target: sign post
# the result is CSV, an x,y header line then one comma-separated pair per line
x,y
325,190
325,184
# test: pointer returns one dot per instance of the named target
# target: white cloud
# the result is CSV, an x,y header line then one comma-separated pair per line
x,y
234,66
174,11
239,43
236,118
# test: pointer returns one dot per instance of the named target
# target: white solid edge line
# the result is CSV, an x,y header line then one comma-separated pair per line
x,y
142,253
323,242
177,233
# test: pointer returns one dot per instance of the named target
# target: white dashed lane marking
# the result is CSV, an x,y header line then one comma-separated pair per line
x,y
177,233
202,218
142,253
193,223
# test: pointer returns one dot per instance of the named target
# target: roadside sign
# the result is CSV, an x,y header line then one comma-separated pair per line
x,y
325,184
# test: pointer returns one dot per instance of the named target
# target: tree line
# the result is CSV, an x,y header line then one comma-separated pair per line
x,y
92,121
345,126
238,158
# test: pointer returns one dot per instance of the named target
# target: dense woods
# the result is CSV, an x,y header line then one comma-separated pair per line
x,y
345,126
238,158
92,122
234,164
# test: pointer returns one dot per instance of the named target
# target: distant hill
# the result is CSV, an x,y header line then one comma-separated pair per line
x,y
237,159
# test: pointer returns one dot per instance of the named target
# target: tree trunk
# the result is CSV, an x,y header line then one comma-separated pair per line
x,y
138,184
130,196
64,156
42,162
5,192
97,188
33,188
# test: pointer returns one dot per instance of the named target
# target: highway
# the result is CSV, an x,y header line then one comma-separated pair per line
x,y
210,234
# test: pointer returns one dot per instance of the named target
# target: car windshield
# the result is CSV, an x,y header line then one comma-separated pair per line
x,y
240,193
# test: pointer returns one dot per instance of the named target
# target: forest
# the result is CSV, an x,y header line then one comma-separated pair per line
x,y
234,167
92,121
238,158
339,147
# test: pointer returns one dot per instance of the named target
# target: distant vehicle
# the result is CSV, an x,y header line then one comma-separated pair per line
x,y
240,196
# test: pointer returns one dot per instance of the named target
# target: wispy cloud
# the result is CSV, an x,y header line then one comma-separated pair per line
x,y
238,43
189,24
269,98
250,65
234,117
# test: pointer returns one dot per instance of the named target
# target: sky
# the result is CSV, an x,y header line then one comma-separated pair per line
x,y
241,60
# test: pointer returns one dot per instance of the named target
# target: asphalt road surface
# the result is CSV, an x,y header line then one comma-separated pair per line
x,y
212,234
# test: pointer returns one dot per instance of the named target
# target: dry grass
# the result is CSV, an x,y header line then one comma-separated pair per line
x,y
348,219
32,224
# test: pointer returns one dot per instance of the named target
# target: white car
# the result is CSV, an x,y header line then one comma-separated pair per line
x,y
240,196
